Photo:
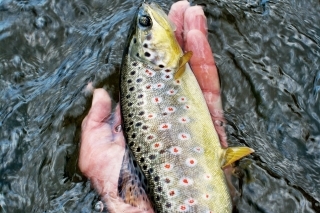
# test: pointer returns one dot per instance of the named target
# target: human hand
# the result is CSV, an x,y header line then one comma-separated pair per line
x,y
102,142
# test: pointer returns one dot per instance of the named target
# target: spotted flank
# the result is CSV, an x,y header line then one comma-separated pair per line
x,y
168,126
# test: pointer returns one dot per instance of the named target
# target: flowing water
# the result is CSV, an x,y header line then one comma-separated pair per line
x,y
268,56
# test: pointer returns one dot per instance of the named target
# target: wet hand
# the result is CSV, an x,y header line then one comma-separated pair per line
x,y
103,145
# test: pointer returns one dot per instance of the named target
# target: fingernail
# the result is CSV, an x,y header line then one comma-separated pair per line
x,y
118,128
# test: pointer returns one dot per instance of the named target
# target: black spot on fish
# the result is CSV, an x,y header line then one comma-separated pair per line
x,y
144,167
131,89
134,40
138,124
139,80
140,103
131,144
161,66
133,135
167,70
128,129
150,171
147,54
130,104
129,81
128,96
145,127
162,151
150,137
137,55
141,160
164,113
149,37
167,180
140,96
130,115
152,157
134,64
157,198
145,45
156,178
133,72
159,188
138,149
141,113
168,205
131,122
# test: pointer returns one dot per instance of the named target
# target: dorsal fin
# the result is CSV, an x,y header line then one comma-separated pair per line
x,y
233,154
182,64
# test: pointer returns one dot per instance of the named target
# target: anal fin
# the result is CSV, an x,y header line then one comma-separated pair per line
x,y
233,154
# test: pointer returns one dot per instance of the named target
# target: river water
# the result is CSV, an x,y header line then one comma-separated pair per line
x,y
268,56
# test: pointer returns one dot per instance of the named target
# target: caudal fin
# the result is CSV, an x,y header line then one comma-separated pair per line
x,y
233,154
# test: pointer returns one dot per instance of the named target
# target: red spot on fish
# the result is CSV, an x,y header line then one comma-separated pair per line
x,y
175,150
167,70
150,116
170,109
156,145
178,81
167,180
172,193
159,85
191,161
185,181
167,166
167,76
183,207
165,126
148,86
191,201
150,137
183,136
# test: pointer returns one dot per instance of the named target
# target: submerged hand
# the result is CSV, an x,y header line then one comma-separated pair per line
x,y
103,145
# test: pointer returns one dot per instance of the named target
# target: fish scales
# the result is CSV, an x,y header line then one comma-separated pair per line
x,y
167,124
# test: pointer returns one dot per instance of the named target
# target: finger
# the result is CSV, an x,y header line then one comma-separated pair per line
x,y
115,205
195,19
117,128
203,66
176,15
100,109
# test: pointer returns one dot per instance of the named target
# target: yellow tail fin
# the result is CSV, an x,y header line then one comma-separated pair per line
x,y
233,154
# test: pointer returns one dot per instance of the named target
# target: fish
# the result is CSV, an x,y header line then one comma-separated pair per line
x,y
166,121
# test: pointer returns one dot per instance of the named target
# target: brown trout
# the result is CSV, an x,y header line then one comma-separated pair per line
x,y
167,124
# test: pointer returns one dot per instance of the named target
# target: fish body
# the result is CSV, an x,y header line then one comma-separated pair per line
x,y
167,125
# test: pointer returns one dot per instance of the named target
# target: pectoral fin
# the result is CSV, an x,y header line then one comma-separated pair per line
x,y
233,154
182,64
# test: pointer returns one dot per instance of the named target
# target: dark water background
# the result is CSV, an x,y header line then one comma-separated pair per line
x,y
268,56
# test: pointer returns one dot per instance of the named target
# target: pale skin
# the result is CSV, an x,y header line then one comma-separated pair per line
x,y
103,145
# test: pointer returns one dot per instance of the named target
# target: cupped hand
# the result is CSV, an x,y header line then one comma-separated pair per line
x,y
102,141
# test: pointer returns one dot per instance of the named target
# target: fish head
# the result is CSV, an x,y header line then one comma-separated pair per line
x,y
152,40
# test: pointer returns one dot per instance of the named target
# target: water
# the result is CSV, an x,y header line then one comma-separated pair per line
x,y
268,56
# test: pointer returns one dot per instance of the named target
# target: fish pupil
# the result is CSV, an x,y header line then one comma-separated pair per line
x,y
145,21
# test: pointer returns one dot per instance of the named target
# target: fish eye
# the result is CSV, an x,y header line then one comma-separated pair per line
x,y
145,21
